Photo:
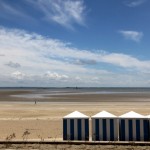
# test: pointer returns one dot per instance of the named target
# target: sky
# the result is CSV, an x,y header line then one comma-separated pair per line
x,y
69,43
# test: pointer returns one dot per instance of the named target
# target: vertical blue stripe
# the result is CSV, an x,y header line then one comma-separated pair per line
x,y
130,130
64,129
79,129
122,130
138,130
146,130
86,129
111,130
104,130
71,129
97,129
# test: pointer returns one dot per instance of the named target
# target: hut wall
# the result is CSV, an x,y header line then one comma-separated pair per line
x,y
104,129
76,129
133,130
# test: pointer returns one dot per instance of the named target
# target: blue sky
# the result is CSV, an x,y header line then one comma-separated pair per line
x,y
75,43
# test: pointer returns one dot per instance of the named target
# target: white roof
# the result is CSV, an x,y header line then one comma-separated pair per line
x,y
132,114
76,114
104,114
148,116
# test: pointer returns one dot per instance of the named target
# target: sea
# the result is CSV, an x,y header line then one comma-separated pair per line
x,y
42,92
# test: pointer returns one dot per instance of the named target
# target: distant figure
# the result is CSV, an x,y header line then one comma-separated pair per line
x,y
35,103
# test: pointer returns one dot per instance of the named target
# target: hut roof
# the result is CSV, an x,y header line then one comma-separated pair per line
x,y
132,114
76,114
104,114
147,116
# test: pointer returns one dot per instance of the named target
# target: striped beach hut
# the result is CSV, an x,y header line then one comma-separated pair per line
x,y
76,126
133,127
104,127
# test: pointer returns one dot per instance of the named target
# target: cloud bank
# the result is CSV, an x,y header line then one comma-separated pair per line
x,y
32,59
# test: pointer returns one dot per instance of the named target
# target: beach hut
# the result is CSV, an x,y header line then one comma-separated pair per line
x,y
133,127
104,127
76,126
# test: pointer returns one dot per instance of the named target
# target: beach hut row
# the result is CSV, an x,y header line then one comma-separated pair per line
x,y
106,127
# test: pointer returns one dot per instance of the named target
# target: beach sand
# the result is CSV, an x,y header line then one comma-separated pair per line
x,y
44,119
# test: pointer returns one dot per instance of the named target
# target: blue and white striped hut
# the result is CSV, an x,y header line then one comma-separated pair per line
x,y
133,127
76,126
104,127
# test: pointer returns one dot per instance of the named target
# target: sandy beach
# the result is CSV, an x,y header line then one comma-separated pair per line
x,y
44,119
24,119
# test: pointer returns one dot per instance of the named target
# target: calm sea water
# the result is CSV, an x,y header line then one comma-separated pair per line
x,y
80,89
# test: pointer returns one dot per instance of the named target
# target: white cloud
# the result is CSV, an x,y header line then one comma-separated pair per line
x,y
37,49
132,35
55,76
134,3
126,61
46,61
18,75
63,12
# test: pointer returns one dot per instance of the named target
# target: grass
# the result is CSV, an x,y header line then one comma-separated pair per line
x,y
10,143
